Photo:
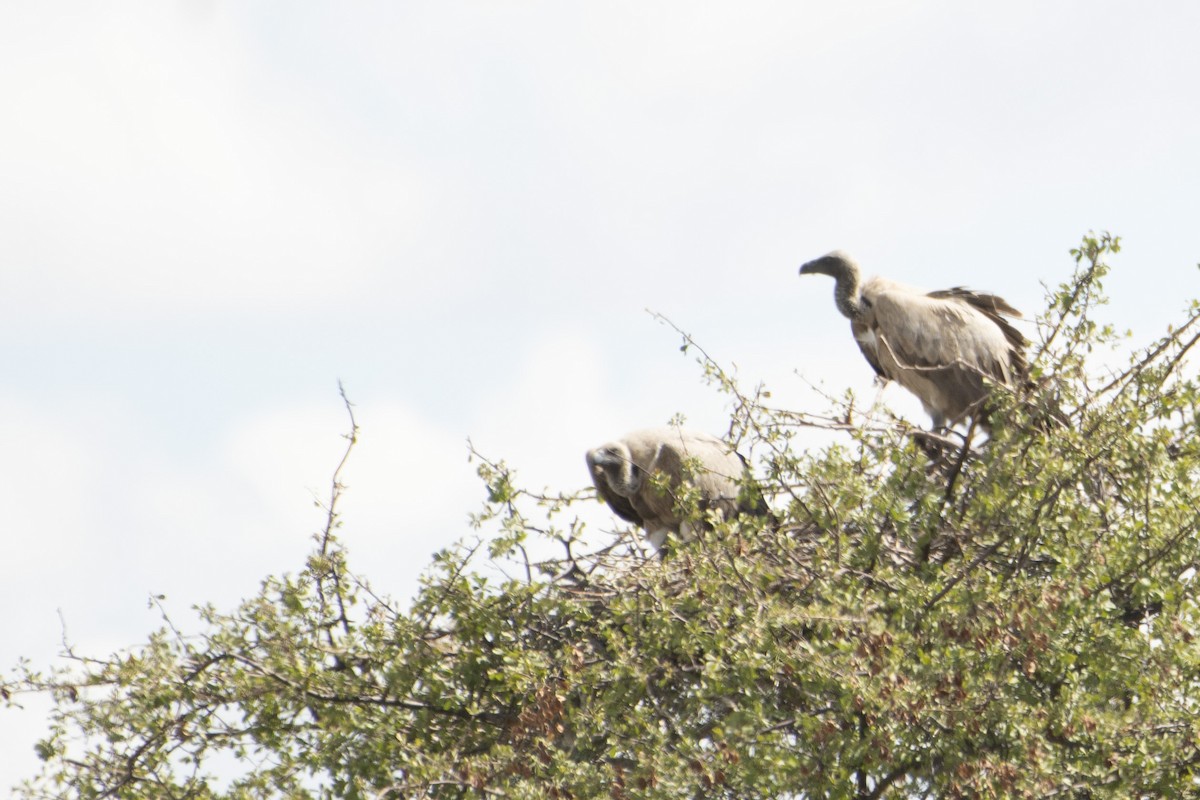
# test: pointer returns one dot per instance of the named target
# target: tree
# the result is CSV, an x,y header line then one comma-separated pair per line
x,y
1011,618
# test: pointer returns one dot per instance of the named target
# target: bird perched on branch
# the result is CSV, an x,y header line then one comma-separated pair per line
x,y
947,347
640,476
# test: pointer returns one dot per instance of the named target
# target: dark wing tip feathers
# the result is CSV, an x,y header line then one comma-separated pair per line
x,y
995,308
988,303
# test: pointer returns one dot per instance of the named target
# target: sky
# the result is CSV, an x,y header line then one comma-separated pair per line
x,y
213,212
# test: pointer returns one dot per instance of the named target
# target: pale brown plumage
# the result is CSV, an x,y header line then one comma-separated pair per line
x,y
623,472
945,347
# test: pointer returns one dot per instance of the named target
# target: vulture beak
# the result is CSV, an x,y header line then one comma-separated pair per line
x,y
828,264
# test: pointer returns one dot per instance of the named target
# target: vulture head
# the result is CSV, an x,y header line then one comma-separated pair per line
x,y
612,465
839,266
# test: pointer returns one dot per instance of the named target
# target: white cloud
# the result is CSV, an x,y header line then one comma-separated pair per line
x,y
149,174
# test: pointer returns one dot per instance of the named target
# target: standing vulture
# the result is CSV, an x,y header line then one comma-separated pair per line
x,y
623,472
945,347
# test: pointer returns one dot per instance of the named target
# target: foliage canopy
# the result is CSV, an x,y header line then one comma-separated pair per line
x,y
1011,618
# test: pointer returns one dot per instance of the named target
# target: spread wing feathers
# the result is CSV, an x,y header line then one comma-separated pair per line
x,y
941,346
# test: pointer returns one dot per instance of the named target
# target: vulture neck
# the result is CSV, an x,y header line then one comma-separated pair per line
x,y
846,292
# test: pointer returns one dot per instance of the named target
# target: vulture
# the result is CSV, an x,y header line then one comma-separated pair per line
x,y
624,473
946,347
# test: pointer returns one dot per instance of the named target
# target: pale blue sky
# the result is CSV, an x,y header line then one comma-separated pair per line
x,y
213,211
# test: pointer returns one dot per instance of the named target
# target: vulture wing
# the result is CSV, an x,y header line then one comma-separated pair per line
x,y
655,499
717,472
702,460
995,308
941,346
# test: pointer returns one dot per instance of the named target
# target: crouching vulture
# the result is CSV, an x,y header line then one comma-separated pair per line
x,y
625,474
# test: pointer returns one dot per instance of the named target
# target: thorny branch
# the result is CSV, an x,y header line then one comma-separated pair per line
x,y
337,488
